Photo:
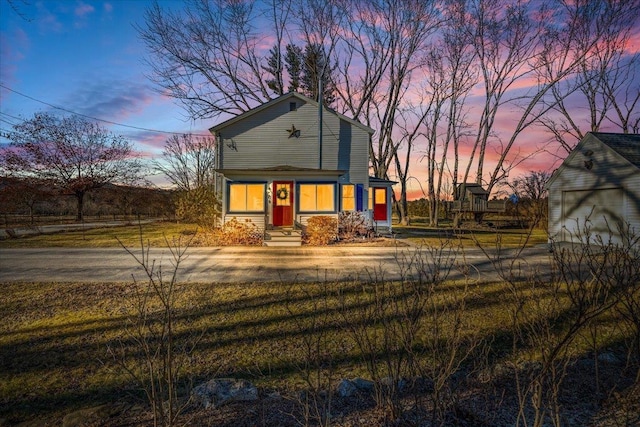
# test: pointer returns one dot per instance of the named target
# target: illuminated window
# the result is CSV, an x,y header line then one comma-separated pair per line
x,y
317,198
246,197
379,195
348,197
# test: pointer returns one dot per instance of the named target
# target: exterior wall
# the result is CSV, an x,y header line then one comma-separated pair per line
x,y
261,140
609,171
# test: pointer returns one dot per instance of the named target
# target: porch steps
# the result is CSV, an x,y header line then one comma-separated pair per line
x,y
283,237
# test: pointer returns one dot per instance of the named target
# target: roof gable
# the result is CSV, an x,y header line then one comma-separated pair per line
x,y
625,146
266,105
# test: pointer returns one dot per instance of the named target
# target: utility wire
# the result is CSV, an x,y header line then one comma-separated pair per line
x,y
95,118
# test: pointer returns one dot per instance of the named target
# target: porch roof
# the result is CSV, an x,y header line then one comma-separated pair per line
x,y
380,181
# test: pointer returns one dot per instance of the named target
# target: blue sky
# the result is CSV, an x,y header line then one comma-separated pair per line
x,y
86,57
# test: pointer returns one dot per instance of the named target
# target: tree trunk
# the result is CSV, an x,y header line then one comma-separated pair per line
x,y
80,199
403,206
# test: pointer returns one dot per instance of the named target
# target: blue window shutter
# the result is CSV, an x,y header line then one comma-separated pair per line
x,y
359,198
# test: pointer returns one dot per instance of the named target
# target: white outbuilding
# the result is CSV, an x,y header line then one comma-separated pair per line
x,y
596,190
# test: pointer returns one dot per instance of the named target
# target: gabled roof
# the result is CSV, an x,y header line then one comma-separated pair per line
x,y
625,144
472,188
281,98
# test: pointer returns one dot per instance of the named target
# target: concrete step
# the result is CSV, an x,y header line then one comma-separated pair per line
x,y
283,237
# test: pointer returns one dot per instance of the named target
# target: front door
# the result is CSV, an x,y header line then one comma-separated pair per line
x,y
282,203
379,203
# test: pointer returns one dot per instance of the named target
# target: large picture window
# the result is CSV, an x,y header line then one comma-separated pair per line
x,y
348,197
317,198
246,197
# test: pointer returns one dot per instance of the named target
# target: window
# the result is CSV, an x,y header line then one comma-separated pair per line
x,y
317,198
246,197
380,196
348,197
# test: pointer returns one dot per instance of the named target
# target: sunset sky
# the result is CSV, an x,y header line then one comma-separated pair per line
x,y
86,58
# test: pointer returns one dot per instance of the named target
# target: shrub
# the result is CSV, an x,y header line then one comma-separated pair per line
x,y
200,206
234,232
353,224
321,230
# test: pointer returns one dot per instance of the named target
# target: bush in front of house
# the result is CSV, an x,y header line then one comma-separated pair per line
x,y
199,205
352,224
321,230
234,232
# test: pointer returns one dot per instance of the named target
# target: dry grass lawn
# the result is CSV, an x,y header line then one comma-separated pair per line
x,y
58,340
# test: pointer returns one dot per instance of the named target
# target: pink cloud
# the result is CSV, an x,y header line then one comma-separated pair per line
x,y
108,7
83,9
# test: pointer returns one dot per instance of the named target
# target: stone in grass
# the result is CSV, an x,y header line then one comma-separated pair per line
x,y
220,391
347,388
362,384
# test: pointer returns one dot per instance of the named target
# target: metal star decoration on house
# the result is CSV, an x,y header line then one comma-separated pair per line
x,y
294,132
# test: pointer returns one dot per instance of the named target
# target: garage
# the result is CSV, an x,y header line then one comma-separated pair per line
x,y
597,189
595,211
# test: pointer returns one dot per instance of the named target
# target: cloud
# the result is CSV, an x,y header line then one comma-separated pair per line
x,y
83,9
108,7
110,99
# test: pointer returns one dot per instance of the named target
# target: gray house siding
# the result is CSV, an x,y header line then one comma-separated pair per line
x,y
262,141
278,141
594,188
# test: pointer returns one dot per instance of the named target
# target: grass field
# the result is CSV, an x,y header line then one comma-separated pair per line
x,y
154,233
57,339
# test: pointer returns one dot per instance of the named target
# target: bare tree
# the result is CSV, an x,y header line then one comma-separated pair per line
x,y
606,82
531,194
188,161
76,155
209,56
388,38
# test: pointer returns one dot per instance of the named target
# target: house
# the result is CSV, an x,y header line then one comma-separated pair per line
x,y
276,169
597,188
471,197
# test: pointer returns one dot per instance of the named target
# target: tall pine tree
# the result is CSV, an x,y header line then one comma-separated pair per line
x,y
274,68
293,63
317,64
303,69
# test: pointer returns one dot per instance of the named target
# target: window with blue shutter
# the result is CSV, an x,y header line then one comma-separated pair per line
x,y
359,197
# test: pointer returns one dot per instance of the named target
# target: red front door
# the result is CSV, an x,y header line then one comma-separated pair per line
x,y
282,203
379,203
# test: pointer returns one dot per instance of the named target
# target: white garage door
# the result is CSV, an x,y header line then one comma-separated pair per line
x,y
598,210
